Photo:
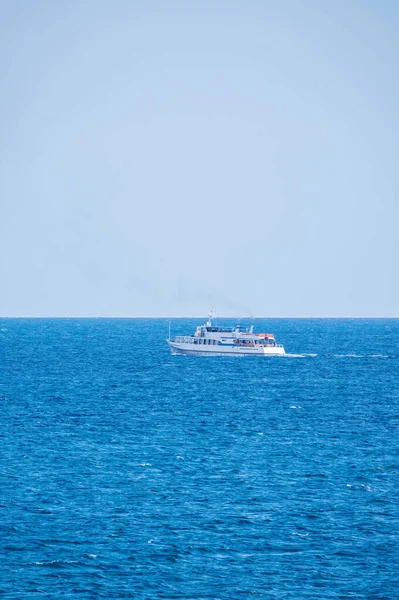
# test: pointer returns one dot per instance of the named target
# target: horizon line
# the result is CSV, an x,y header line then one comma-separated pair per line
x,y
193,317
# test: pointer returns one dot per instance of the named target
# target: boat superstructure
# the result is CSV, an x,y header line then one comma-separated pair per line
x,y
235,341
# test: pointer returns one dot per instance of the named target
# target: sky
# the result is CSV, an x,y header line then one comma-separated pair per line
x,y
161,157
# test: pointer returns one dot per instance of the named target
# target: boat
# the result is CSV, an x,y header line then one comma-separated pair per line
x,y
234,341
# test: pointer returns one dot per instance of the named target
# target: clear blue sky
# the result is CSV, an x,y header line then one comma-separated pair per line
x,y
160,157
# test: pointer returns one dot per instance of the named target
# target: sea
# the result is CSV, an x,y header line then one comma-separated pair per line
x,y
127,472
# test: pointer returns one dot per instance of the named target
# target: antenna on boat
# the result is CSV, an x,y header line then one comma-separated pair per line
x,y
210,315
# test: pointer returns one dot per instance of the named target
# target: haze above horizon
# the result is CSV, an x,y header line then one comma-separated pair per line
x,y
159,158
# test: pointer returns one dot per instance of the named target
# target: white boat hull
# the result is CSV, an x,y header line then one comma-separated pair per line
x,y
224,350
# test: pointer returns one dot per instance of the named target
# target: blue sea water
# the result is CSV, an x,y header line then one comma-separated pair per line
x,y
127,472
